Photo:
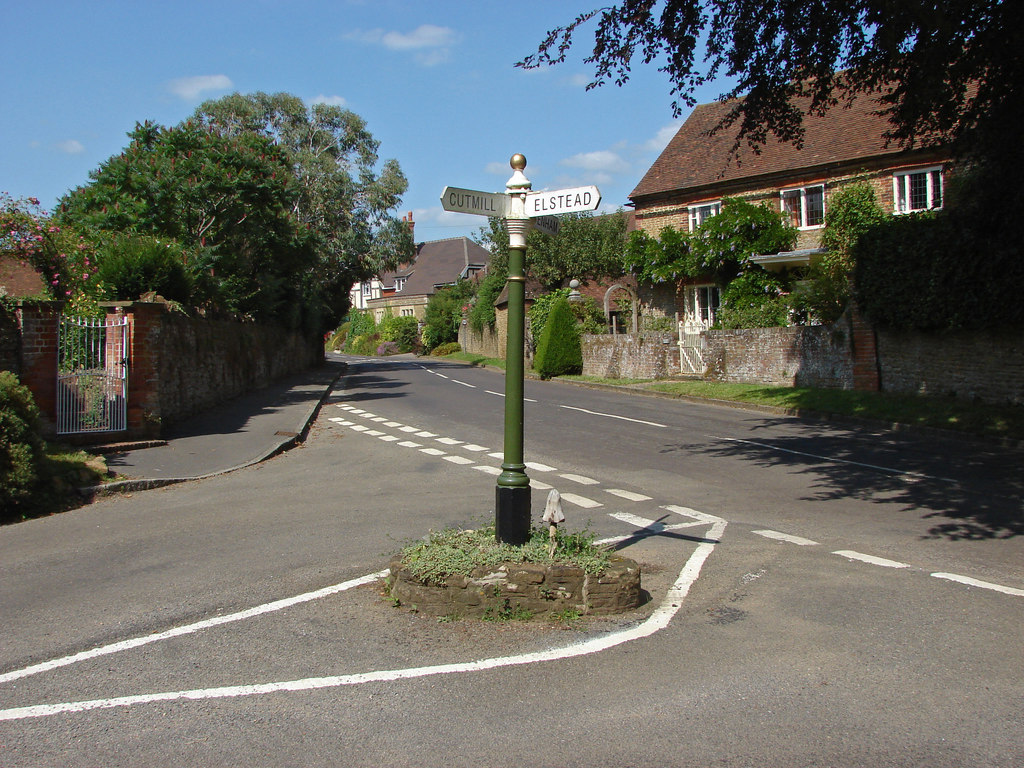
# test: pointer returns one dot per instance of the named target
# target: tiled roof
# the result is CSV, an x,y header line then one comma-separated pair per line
x,y
694,159
438,262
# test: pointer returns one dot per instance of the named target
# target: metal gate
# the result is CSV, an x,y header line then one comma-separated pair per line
x,y
692,343
92,375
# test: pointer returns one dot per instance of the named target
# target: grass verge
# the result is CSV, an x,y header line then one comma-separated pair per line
x,y
1003,421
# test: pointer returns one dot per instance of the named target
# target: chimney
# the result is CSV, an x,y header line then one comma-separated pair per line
x,y
412,225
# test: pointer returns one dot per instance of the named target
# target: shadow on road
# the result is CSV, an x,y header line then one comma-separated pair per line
x,y
968,491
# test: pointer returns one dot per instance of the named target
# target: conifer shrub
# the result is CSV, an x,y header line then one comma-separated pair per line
x,y
559,350
22,451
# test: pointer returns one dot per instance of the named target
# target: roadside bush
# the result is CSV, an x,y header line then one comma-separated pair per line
x,y
387,348
559,350
447,348
22,451
755,299
403,331
444,314
360,325
337,339
363,345
131,265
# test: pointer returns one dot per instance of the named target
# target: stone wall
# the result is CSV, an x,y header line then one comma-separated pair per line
x,y
985,366
182,365
625,356
804,356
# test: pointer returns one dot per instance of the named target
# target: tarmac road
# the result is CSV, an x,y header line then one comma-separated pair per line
x,y
234,619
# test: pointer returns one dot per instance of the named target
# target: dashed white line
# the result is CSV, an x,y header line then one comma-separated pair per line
x,y
487,468
639,522
627,495
473,447
579,479
448,441
359,428
581,501
410,444
471,386
967,580
458,459
798,540
374,432
614,416
425,434
388,438
536,467
432,451
871,559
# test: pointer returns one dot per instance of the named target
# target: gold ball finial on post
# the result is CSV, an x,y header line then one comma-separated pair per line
x,y
518,162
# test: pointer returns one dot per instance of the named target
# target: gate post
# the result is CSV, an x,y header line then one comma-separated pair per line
x,y
144,322
37,321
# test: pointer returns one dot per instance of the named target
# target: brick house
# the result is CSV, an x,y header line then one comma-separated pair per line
x,y
405,291
697,170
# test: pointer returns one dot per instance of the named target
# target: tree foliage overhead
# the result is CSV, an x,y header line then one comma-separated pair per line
x,y
945,70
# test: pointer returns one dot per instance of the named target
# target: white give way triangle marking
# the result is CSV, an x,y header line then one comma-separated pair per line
x,y
658,620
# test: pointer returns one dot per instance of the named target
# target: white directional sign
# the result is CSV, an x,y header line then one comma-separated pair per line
x,y
546,224
458,200
562,201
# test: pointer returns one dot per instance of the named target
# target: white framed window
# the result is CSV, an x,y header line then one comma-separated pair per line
x,y
701,213
919,190
408,312
804,207
367,289
399,283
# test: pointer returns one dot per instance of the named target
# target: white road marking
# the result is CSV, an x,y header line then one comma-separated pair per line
x,y
409,429
581,501
799,540
692,513
497,455
188,629
379,419
410,444
636,520
374,432
491,392
579,479
425,434
357,410
488,469
432,451
359,428
471,386
368,415
871,559
615,416
657,621
539,467
627,495
388,438
540,486
889,470
458,459
473,447
448,441
392,424
978,583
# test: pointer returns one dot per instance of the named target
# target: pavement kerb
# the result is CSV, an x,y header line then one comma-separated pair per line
x,y
802,413
286,443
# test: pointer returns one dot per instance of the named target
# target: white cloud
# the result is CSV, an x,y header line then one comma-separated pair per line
x,y
334,101
578,81
71,147
189,88
663,137
431,44
602,161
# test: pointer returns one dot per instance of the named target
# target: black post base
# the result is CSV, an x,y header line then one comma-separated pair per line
x,y
512,515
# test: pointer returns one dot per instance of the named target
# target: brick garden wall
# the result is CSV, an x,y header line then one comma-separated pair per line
x,y
625,356
807,356
978,365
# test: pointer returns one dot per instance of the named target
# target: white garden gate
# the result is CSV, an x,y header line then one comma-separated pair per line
x,y
92,375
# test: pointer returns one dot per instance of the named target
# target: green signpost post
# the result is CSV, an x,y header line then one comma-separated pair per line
x,y
518,205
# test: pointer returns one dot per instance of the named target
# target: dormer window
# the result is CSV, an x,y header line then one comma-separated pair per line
x,y
701,213
399,283
919,190
804,207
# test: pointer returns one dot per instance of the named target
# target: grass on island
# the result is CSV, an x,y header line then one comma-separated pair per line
x,y
456,552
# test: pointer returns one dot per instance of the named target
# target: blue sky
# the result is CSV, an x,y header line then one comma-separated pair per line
x,y
434,80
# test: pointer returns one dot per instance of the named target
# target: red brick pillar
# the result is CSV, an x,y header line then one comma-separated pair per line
x,y
38,322
865,352
144,324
